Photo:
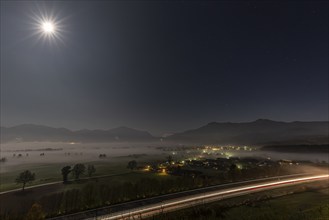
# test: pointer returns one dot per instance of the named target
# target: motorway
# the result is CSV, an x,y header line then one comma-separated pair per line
x,y
171,202
189,201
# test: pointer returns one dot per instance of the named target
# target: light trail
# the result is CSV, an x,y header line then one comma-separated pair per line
x,y
164,197
186,202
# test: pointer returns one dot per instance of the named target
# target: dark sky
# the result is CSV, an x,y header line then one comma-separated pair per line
x,y
164,66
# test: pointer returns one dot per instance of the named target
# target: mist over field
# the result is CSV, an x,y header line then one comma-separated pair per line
x,y
67,153
44,153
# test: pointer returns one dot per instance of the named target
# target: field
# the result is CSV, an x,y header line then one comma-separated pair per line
x,y
57,155
48,173
20,202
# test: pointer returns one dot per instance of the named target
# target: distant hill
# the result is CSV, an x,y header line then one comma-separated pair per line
x,y
30,132
259,132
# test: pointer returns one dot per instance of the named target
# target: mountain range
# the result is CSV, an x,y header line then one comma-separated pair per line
x,y
30,132
261,131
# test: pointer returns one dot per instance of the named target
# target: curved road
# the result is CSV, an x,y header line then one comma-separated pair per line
x,y
188,201
170,202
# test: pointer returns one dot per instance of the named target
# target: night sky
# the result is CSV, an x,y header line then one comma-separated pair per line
x,y
164,66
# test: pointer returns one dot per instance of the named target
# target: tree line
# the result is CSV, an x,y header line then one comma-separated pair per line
x,y
77,170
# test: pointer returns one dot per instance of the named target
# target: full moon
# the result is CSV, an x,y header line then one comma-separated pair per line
x,y
48,27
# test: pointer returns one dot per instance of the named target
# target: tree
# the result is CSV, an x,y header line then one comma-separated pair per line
x,y
91,170
132,164
35,213
25,177
65,172
77,170
102,156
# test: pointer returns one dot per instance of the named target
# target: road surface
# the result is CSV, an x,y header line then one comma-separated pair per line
x,y
165,203
188,201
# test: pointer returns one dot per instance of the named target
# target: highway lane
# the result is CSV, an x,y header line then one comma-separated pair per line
x,y
188,201
158,199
